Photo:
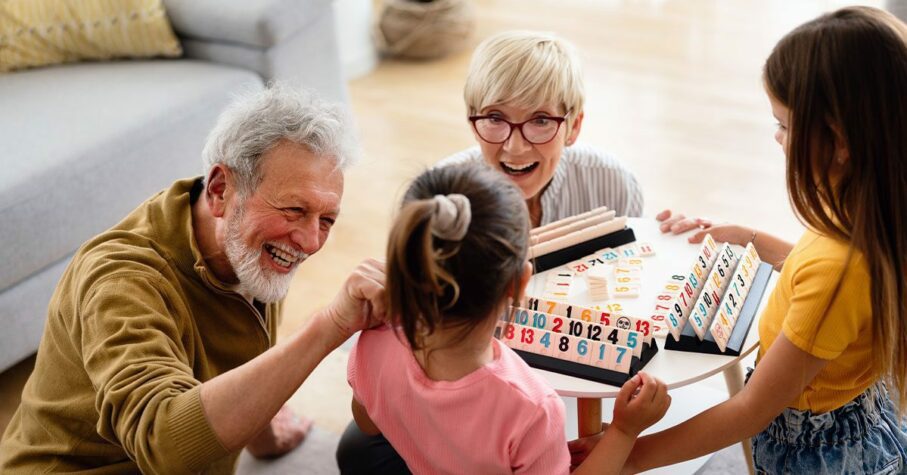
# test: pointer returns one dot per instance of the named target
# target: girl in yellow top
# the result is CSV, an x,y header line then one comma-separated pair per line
x,y
833,352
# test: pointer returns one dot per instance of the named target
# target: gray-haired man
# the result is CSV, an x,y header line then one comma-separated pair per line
x,y
158,354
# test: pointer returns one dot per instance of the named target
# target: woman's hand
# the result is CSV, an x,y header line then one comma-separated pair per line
x,y
771,249
677,223
726,232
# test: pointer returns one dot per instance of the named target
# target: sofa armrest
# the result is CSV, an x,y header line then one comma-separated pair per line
x,y
259,24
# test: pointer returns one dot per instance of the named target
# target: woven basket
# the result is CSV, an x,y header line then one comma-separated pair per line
x,y
424,30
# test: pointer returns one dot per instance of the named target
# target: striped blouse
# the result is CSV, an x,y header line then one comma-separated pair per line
x,y
584,179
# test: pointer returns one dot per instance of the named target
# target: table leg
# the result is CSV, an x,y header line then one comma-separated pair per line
x,y
733,377
589,411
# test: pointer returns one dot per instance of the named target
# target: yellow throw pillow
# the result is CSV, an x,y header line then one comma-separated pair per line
x,y
41,32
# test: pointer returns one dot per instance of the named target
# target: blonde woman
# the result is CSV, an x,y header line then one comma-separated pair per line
x,y
524,97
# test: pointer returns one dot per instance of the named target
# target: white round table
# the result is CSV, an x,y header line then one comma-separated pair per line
x,y
673,255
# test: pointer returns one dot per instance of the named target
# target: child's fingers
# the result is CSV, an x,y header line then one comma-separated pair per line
x,y
660,397
629,389
660,389
663,215
661,400
647,388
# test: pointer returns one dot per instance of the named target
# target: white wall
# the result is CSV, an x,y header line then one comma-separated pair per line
x,y
354,30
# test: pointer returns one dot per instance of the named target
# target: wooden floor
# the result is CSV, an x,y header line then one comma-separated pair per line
x,y
673,88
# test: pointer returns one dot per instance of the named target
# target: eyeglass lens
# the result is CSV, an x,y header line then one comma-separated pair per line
x,y
497,130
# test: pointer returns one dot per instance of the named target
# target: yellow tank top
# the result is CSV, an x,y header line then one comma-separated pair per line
x,y
827,320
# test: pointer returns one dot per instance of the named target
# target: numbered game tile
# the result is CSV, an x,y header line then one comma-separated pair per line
x,y
557,287
621,358
599,354
578,267
627,250
555,296
599,294
631,271
672,287
585,358
534,346
558,344
613,308
573,352
660,330
542,348
507,335
627,280
608,255
646,249
625,291
630,262
610,356
561,276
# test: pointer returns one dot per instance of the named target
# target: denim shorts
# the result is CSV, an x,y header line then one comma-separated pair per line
x,y
862,437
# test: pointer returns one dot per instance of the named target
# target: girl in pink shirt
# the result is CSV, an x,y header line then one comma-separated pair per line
x,y
446,394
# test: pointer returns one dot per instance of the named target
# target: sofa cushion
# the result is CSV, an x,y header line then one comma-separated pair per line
x,y
260,24
309,59
81,145
42,32
22,311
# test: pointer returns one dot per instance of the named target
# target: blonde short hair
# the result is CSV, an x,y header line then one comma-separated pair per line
x,y
525,69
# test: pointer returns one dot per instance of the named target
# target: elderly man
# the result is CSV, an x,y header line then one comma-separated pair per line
x,y
159,351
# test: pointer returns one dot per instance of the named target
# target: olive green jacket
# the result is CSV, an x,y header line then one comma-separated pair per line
x,y
135,325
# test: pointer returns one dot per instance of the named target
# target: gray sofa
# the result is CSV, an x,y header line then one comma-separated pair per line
x,y
82,144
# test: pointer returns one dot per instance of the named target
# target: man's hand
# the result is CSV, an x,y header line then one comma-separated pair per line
x,y
641,402
580,448
285,432
259,388
679,224
360,303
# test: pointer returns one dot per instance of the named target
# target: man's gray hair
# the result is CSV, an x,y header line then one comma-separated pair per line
x,y
255,122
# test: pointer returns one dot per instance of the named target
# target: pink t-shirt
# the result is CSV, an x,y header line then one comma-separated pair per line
x,y
501,418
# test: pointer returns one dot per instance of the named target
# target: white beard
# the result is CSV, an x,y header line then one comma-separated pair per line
x,y
255,281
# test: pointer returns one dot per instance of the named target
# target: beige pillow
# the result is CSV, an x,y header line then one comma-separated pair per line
x,y
41,32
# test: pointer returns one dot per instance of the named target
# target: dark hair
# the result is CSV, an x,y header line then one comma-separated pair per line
x,y
843,76
434,282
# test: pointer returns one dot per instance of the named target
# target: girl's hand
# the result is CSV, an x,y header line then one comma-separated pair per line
x,y
642,401
726,232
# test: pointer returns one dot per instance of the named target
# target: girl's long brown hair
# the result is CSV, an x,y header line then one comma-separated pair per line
x,y
843,76
433,282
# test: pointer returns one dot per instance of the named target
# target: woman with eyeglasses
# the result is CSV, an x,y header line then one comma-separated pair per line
x,y
524,95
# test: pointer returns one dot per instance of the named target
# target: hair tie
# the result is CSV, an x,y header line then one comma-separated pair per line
x,y
452,216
